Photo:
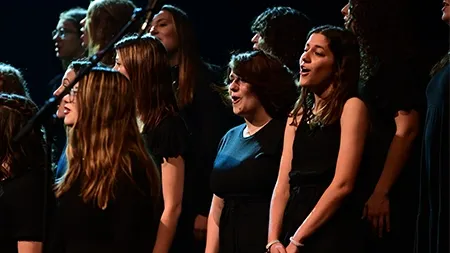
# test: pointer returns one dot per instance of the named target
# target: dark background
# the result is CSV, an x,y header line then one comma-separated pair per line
x,y
222,27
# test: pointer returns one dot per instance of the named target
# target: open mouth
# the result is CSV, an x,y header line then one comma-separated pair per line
x,y
304,71
235,99
66,110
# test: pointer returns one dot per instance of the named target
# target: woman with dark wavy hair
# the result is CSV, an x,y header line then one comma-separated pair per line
x,y
263,92
22,178
280,31
315,205
145,63
107,197
391,85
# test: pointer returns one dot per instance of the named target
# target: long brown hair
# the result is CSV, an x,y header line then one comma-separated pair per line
x,y
105,18
148,68
104,143
28,152
344,46
189,62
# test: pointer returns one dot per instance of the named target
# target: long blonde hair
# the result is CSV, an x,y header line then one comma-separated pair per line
x,y
104,143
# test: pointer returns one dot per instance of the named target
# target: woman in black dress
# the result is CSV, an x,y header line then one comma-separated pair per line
x,y
22,178
432,230
145,63
391,85
108,194
263,92
196,85
314,205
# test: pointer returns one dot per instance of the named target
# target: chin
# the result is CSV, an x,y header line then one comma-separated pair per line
x,y
446,18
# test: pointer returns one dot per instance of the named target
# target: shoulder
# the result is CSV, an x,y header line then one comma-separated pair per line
x,y
354,104
355,112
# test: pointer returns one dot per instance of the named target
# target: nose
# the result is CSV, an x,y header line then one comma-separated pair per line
x,y
59,90
255,38
305,58
344,10
153,30
57,37
66,99
233,86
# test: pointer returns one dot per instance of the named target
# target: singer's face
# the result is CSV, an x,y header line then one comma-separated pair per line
x,y
71,107
163,27
316,62
257,41
67,40
119,65
346,12
446,11
67,78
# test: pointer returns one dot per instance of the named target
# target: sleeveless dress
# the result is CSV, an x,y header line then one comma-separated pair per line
x,y
315,152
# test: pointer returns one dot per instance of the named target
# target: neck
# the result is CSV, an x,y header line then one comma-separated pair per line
x,y
319,98
65,62
256,121
174,58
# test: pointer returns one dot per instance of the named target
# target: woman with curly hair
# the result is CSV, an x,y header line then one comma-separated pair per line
x,y
391,85
282,31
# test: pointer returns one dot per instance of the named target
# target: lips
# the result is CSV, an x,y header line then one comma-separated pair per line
x,y
304,71
66,110
235,99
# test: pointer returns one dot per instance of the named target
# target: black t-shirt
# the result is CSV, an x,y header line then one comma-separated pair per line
x,y
21,209
128,224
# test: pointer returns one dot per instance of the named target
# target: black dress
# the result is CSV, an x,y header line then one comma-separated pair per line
x,y
22,209
169,139
244,175
128,224
315,153
432,223
404,95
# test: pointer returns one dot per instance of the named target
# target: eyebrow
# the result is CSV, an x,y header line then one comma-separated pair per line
x,y
161,19
316,46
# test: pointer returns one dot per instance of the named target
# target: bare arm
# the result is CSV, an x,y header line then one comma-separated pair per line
x,y
354,125
407,124
29,247
212,238
172,186
280,194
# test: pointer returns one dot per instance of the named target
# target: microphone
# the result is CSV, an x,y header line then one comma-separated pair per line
x,y
150,7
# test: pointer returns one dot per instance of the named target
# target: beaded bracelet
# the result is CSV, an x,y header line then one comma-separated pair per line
x,y
270,244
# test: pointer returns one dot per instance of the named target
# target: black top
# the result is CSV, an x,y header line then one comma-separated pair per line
x,y
433,220
244,175
315,153
126,225
22,209
208,118
167,140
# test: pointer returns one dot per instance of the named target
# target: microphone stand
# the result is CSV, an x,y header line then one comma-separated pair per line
x,y
50,105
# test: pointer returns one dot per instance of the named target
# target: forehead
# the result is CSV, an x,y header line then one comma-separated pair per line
x,y
64,23
162,15
317,39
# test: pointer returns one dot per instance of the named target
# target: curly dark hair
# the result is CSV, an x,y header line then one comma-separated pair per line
x,y
284,32
269,80
29,152
12,81
384,32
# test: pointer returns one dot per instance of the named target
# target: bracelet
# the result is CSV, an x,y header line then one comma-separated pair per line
x,y
296,244
270,244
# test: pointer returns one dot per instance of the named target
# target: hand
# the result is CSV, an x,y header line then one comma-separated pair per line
x,y
291,248
200,225
377,211
277,248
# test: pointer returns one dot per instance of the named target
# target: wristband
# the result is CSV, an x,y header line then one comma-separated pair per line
x,y
270,244
296,244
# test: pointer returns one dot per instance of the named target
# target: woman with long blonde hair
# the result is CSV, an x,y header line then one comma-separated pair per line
x,y
108,193
145,62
